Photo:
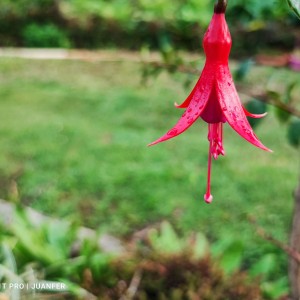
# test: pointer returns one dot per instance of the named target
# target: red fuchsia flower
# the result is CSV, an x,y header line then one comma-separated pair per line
x,y
214,97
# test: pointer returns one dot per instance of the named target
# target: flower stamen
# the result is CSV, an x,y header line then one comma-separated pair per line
x,y
208,198
215,138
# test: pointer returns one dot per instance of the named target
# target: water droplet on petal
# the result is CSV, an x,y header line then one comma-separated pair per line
x,y
245,129
233,115
183,114
172,132
229,83
189,110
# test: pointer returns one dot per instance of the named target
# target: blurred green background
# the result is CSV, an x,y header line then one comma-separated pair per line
x,y
73,137
136,23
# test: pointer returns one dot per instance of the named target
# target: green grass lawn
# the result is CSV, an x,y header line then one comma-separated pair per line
x,y
73,139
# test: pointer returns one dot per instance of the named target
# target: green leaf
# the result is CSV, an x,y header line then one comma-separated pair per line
x,y
60,235
294,133
243,69
77,290
282,115
201,246
295,6
265,266
33,240
286,98
8,258
230,252
232,257
276,289
167,241
256,107
101,267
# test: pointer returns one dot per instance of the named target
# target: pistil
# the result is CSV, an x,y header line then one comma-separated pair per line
x,y
208,198
215,138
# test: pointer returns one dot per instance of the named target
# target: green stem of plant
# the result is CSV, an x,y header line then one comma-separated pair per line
x,y
220,6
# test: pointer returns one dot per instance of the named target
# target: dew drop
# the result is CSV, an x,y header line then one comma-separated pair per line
x,y
229,83
183,114
189,110
233,115
172,132
245,129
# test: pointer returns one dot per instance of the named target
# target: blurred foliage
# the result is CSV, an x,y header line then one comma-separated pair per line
x,y
45,35
165,10
134,23
33,254
170,266
160,265
295,6
294,133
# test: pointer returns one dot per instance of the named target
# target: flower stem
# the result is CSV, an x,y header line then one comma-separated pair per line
x,y
220,7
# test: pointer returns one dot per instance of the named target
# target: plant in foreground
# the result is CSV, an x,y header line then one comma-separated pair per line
x,y
214,97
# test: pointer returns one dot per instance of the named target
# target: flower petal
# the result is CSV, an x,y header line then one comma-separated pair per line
x,y
255,116
187,101
232,107
196,106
